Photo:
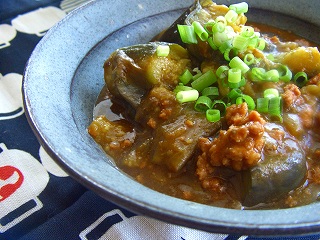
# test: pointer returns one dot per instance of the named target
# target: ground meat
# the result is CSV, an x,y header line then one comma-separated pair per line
x,y
239,147
290,95
315,80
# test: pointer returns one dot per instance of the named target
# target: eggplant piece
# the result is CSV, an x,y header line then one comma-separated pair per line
x,y
282,169
130,72
176,127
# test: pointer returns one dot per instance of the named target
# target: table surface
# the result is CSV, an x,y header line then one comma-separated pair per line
x,y
38,199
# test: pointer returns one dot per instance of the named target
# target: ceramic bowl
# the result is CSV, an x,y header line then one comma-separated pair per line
x,y
64,76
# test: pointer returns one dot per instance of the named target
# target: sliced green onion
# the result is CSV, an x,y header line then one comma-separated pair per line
x,y
224,46
163,50
234,75
272,75
236,62
187,34
219,105
270,93
240,42
275,107
258,74
249,59
219,38
203,103
181,87
300,79
231,16
218,27
230,53
247,31
211,92
186,77
222,71
205,80
263,105
239,100
200,31
285,73
213,115
250,102
221,19
208,26
239,8
197,75
261,44
211,43
187,96
234,93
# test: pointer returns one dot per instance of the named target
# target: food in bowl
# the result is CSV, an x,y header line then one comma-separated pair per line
x,y
216,111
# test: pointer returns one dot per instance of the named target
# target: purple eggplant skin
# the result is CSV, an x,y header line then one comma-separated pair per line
x,y
278,172
131,72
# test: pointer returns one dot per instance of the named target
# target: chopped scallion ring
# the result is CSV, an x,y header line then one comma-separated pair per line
x,y
187,96
239,8
181,87
270,93
205,80
222,71
187,34
219,105
263,105
163,50
234,75
236,62
240,42
213,115
186,77
250,102
272,75
249,59
211,92
231,16
200,31
300,79
203,103
284,73
275,107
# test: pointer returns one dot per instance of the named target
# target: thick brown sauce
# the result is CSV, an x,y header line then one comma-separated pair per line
x,y
185,184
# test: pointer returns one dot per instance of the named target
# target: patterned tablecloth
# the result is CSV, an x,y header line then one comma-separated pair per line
x,y
38,200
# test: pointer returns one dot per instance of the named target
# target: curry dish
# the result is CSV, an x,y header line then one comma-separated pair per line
x,y
216,110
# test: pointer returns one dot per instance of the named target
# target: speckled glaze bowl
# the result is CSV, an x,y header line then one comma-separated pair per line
x,y
64,76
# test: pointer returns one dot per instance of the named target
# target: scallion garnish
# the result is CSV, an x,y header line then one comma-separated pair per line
x,y
186,77
200,31
213,115
285,73
231,16
187,96
300,79
275,107
203,103
270,93
187,34
205,80
237,62
239,7
211,92
263,105
222,71
163,50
